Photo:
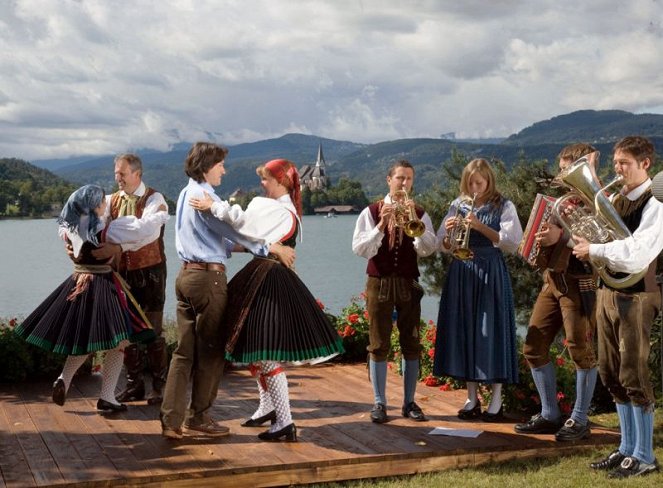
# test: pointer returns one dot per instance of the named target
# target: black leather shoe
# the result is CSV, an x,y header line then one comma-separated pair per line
x,y
59,392
492,417
538,425
613,460
472,414
379,414
289,432
414,412
108,407
631,466
257,422
573,431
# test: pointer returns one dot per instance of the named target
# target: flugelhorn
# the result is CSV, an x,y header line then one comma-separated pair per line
x,y
587,212
405,215
459,235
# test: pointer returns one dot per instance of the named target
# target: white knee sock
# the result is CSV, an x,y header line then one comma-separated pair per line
x,y
71,365
265,402
496,398
111,369
472,395
277,386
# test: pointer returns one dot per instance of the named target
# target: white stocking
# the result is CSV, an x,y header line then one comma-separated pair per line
x,y
472,395
277,387
496,400
265,402
111,369
71,365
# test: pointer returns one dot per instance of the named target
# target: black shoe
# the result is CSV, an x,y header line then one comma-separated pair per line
x,y
108,407
631,466
414,412
134,392
257,422
475,413
538,425
59,392
379,414
493,417
613,460
289,432
573,431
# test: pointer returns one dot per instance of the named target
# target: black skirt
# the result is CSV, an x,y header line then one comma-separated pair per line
x,y
272,316
86,313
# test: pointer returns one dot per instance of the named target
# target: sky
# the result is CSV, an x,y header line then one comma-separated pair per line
x,y
83,77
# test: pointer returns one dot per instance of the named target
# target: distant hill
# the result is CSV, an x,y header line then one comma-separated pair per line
x,y
368,163
593,126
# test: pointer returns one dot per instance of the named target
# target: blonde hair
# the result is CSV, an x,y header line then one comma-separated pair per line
x,y
482,167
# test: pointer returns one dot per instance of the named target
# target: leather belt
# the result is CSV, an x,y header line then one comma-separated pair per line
x,y
205,266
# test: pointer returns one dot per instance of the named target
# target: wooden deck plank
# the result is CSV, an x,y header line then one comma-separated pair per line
x,y
330,405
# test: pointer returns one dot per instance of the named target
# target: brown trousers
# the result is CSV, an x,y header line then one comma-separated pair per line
x,y
199,356
624,326
383,295
559,306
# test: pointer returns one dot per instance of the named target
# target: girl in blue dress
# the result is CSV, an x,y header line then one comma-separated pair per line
x,y
476,330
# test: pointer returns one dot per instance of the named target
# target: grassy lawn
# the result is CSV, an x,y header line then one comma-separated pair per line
x,y
571,471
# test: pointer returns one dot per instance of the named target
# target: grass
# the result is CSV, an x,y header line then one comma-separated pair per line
x,y
568,471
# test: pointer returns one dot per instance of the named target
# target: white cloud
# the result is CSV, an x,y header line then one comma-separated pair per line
x,y
90,76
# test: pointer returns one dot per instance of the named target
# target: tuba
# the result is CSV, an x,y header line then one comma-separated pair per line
x,y
459,235
586,211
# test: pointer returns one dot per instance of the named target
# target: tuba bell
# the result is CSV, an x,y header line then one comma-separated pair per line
x,y
586,211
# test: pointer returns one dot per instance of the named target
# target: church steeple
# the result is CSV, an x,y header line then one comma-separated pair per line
x,y
320,163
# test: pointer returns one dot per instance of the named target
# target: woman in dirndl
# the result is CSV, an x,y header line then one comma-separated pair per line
x,y
91,310
476,328
272,317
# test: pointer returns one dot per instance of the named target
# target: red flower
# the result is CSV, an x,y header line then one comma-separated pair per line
x,y
12,323
560,361
353,318
320,304
560,395
565,407
536,399
431,380
520,394
565,342
431,352
96,368
445,387
366,314
348,331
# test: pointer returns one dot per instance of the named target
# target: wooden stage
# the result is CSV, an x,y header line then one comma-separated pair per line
x,y
42,444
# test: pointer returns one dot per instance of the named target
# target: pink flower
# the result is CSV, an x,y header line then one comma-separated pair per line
x,y
560,395
560,361
366,314
431,352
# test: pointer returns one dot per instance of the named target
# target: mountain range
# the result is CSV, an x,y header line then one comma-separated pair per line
x,y
368,163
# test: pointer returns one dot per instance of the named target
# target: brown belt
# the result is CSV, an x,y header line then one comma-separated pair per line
x,y
205,266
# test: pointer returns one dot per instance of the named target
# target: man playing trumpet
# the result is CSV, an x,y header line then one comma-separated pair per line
x,y
566,302
392,285
625,316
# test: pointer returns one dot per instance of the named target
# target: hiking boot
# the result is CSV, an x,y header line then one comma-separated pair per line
x,y
538,425
573,431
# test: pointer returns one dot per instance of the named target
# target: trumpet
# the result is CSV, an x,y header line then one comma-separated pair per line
x,y
403,218
459,235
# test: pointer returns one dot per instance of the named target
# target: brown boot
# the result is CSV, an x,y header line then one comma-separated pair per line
x,y
135,389
157,359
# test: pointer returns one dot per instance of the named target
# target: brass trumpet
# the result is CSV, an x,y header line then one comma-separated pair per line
x,y
405,215
459,235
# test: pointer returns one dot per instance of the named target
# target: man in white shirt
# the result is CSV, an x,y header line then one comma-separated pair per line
x,y
625,315
392,285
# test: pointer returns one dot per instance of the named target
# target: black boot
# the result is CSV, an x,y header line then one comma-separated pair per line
x,y
157,359
135,389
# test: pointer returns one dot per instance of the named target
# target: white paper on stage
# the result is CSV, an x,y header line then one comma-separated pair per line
x,y
455,432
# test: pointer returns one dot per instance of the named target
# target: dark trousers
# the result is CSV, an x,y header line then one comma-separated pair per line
x,y
624,325
559,306
383,296
199,356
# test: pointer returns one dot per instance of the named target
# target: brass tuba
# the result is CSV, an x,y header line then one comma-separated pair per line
x,y
586,211
459,235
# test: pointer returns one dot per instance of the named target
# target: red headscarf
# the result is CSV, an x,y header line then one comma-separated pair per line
x,y
285,173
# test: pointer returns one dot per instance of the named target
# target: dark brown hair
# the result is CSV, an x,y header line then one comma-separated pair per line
x,y
402,163
639,147
576,151
201,158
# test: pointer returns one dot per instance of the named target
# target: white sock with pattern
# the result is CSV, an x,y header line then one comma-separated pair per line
x,y
71,365
265,402
277,386
112,366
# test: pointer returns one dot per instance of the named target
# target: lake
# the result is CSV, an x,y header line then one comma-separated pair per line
x,y
34,263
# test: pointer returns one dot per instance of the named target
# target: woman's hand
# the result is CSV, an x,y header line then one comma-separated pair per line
x,y
202,204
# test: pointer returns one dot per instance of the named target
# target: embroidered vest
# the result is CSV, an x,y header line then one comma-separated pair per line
x,y
149,255
401,260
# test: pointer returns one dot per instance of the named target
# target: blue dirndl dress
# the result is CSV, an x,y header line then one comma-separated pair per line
x,y
476,327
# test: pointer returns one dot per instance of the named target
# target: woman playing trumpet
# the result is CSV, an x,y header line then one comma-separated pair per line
x,y
476,331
